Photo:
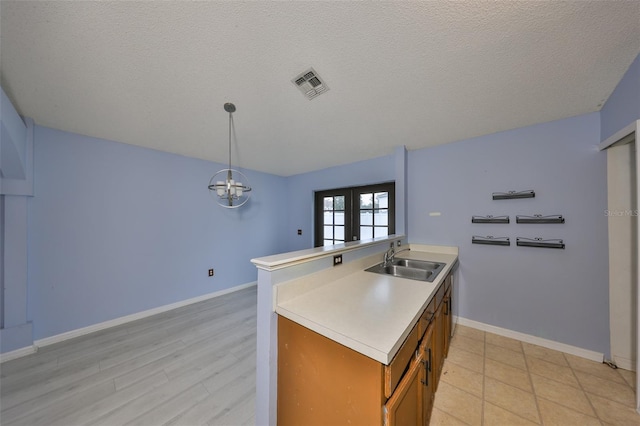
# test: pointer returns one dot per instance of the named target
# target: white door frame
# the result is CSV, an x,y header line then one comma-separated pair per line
x,y
623,136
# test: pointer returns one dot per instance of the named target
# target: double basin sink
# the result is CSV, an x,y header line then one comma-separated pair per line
x,y
421,270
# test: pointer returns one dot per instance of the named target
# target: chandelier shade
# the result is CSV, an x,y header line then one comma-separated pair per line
x,y
229,187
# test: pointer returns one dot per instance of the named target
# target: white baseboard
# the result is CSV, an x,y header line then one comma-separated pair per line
x,y
550,344
18,353
133,317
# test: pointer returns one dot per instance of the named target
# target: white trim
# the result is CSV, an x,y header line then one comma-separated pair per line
x,y
550,344
133,317
618,136
624,363
18,353
293,258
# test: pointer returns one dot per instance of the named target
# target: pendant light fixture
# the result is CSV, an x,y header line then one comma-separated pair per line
x,y
230,188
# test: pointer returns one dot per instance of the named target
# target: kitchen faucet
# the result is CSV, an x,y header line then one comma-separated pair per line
x,y
388,256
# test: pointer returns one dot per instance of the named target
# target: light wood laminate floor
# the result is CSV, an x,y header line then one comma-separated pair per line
x,y
189,366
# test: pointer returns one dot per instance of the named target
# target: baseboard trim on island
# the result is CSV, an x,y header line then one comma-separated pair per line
x,y
133,317
534,340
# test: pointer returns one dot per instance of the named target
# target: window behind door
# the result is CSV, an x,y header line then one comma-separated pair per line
x,y
354,213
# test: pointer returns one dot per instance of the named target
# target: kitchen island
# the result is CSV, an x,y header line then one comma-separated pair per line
x,y
362,348
367,312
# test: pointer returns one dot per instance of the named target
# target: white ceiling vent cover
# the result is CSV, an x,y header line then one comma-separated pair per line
x,y
310,83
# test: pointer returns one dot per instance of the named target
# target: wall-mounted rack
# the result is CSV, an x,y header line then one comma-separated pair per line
x,y
490,219
538,218
491,240
510,195
539,242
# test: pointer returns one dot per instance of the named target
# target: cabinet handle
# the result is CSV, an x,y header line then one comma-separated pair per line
x,y
426,375
429,359
446,305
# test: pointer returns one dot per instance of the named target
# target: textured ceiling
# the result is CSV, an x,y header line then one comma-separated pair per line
x,y
156,74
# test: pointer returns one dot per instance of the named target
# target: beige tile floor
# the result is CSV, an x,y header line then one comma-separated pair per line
x,y
494,380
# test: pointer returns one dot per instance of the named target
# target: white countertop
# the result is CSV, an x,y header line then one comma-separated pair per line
x,y
367,312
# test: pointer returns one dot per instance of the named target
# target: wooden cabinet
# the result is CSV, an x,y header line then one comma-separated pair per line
x,y
447,316
438,344
429,392
322,382
405,407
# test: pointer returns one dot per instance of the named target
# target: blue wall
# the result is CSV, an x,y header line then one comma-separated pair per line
x,y
561,295
623,106
301,189
116,229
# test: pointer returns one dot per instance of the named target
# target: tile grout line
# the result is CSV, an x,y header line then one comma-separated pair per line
x,y
532,392
533,388
466,392
586,395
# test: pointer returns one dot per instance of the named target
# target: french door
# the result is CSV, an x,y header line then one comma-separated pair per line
x,y
354,213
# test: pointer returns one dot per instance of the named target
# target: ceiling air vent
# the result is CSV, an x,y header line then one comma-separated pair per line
x,y
310,84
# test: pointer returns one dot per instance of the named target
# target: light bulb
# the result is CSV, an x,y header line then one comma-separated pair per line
x,y
220,188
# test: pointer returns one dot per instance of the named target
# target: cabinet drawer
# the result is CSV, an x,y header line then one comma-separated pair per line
x,y
394,371
426,317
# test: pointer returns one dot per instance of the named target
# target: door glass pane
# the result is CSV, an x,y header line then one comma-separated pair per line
x,y
366,232
338,202
381,231
382,200
381,217
339,218
328,232
328,242
339,233
366,217
328,203
328,218
366,201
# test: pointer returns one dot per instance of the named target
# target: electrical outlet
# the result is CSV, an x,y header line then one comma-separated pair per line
x,y
337,260
210,272
299,231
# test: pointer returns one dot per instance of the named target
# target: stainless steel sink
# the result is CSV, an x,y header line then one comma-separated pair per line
x,y
408,268
420,264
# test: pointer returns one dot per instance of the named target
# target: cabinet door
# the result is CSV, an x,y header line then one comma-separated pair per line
x,y
405,407
447,323
426,347
438,344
